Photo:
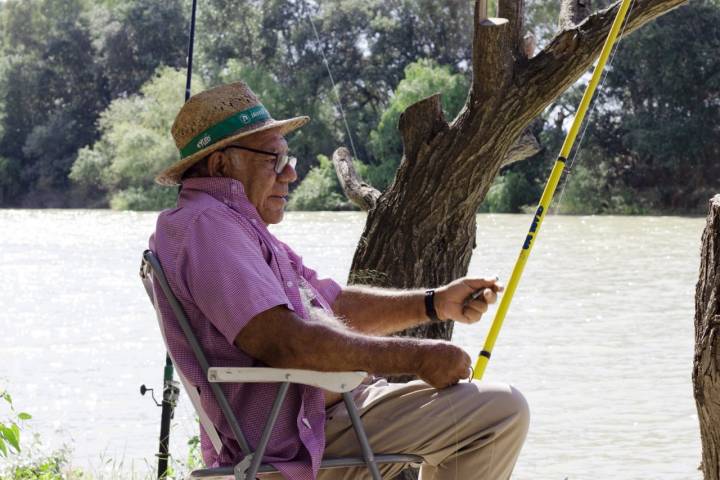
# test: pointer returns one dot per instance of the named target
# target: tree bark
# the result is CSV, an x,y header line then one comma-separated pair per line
x,y
573,12
706,364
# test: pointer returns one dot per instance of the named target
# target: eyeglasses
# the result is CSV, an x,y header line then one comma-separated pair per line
x,y
281,161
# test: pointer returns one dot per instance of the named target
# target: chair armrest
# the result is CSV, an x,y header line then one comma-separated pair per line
x,y
333,381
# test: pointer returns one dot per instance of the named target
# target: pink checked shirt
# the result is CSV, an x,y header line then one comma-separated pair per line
x,y
225,267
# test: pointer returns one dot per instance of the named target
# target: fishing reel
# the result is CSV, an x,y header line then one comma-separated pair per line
x,y
171,393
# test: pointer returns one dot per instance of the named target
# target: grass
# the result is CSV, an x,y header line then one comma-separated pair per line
x,y
27,459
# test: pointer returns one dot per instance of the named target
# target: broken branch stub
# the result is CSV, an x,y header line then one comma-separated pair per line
x,y
359,192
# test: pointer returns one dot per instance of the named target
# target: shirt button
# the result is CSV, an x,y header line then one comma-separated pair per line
x,y
289,284
253,221
306,422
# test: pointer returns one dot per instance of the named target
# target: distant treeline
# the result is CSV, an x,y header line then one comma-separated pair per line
x,y
88,91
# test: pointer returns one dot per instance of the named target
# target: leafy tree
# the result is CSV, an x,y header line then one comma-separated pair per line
x,y
62,62
659,131
367,45
135,144
48,83
133,38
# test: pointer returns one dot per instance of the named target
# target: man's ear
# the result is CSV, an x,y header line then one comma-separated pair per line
x,y
216,164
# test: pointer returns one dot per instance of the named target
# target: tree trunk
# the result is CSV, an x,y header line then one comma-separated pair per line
x,y
706,364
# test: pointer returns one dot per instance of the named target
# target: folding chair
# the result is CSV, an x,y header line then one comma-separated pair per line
x,y
251,465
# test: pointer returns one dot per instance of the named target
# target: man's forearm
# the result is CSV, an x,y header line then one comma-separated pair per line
x,y
380,311
281,339
330,348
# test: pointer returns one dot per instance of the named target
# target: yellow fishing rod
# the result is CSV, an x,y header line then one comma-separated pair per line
x,y
548,194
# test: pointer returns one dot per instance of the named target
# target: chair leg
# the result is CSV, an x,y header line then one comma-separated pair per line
x,y
265,437
362,437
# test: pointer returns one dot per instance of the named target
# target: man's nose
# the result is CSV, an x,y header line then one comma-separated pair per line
x,y
288,174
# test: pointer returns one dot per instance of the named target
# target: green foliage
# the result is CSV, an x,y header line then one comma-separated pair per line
x,y
422,79
48,83
153,197
652,144
509,194
178,468
321,190
135,145
93,52
518,186
132,38
194,456
31,465
659,134
367,44
10,427
52,467
61,62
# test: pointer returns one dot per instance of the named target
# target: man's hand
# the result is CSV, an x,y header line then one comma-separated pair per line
x,y
455,300
443,364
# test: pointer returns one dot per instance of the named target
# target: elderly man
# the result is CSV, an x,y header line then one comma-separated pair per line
x,y
252,302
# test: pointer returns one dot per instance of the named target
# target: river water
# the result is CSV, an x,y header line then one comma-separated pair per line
x,y
599,336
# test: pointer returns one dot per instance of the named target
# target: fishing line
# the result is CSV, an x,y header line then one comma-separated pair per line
x,y
334,86
576,153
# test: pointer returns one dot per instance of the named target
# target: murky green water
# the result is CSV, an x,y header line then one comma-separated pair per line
x,y
599,336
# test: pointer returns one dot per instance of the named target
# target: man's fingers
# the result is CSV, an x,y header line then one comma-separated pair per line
x,y
478,283
478,306
490,296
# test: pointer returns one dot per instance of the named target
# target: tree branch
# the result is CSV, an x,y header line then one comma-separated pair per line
x,y
573,12
513,11
493,48
572,52
360,193
525,147
419,123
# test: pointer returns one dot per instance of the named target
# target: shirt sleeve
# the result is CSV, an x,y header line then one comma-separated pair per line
x,y
225,273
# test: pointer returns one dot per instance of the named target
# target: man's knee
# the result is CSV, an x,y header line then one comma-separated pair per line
x,y
503,403
520,405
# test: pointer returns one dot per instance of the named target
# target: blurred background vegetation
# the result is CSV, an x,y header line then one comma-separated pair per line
x,y
89,89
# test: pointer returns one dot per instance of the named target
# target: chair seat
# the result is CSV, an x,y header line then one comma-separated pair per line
x,y
224,473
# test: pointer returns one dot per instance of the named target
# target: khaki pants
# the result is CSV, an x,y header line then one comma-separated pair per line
x,y
468,431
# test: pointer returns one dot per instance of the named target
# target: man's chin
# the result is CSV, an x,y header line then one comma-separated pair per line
x,y
271,218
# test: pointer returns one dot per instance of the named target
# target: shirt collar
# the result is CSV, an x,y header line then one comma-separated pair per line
x,y
223,189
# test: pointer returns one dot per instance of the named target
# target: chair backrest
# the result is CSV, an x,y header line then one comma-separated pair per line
x,y
151,273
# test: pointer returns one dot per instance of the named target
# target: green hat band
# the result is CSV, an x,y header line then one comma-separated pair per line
x,y
224,129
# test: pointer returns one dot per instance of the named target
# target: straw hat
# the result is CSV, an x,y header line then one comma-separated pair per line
x,y
214,119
